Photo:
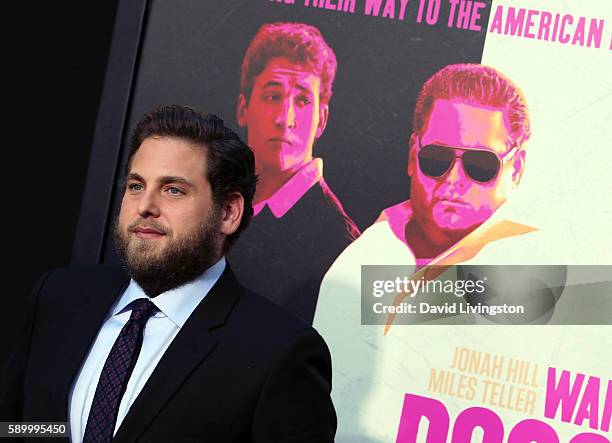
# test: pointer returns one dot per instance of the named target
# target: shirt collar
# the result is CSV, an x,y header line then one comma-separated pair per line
x,y
177,304
288,195
399,215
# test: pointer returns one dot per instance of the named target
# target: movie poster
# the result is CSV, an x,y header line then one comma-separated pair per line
x,y
543,376
324,92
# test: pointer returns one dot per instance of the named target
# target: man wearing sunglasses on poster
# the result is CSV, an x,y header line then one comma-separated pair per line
x,y
466,154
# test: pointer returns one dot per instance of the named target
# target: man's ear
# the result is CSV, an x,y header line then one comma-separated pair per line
x,y
518,166
323,116
412,154
231,213
241,110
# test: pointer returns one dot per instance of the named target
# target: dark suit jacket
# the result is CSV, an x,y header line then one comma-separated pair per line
x,y
240,370
285,258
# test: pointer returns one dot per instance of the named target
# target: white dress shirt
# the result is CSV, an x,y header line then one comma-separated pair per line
x,y
293,190
175,307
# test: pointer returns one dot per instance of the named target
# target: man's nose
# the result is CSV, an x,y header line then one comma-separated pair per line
x,y
456,175
286,116
148,205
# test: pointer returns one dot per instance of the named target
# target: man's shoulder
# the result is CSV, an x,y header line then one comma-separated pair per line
x,y
258,308
85,274
75,281
399,212
378,245
266,322
90,271
321,200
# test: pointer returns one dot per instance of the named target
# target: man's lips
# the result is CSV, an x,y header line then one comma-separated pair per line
x,y
456,203
284,140
147,233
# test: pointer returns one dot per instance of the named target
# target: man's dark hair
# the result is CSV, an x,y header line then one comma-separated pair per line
x,y
231,164
302,44
480,85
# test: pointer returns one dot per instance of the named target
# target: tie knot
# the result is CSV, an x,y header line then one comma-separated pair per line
x,y
142,309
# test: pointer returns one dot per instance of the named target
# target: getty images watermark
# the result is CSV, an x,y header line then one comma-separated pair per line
x,y
556,294
409,288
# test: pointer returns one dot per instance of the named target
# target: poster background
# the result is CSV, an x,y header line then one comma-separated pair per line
x,y
192,52
566,188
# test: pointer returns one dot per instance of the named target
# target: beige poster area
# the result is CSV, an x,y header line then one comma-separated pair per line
x,y
565,193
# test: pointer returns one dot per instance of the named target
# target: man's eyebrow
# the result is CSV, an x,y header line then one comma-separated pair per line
x,y
271,83
304,88
436,143
479,147
134,176
166,179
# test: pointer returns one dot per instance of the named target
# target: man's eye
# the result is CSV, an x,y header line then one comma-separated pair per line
x,y
303,101
134,187
272,97
174,191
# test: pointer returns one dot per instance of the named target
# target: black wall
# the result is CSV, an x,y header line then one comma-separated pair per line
x,y
56,61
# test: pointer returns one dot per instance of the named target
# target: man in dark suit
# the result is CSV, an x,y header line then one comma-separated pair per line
x,y
299,224
177,350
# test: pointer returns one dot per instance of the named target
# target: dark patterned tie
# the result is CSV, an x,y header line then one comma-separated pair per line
x,y
116,373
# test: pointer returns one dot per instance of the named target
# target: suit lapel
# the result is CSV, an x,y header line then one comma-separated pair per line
x,y
86,323
189,348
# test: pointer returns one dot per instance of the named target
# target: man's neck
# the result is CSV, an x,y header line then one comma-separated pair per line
x,y
269,182
431,243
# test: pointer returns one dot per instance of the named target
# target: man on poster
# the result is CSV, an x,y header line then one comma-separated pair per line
x,y
176,348
299,225
465,156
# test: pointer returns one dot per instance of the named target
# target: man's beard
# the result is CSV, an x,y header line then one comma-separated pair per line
x,y
180,262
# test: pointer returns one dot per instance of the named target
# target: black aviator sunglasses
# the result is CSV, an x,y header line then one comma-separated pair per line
x,y
480,165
